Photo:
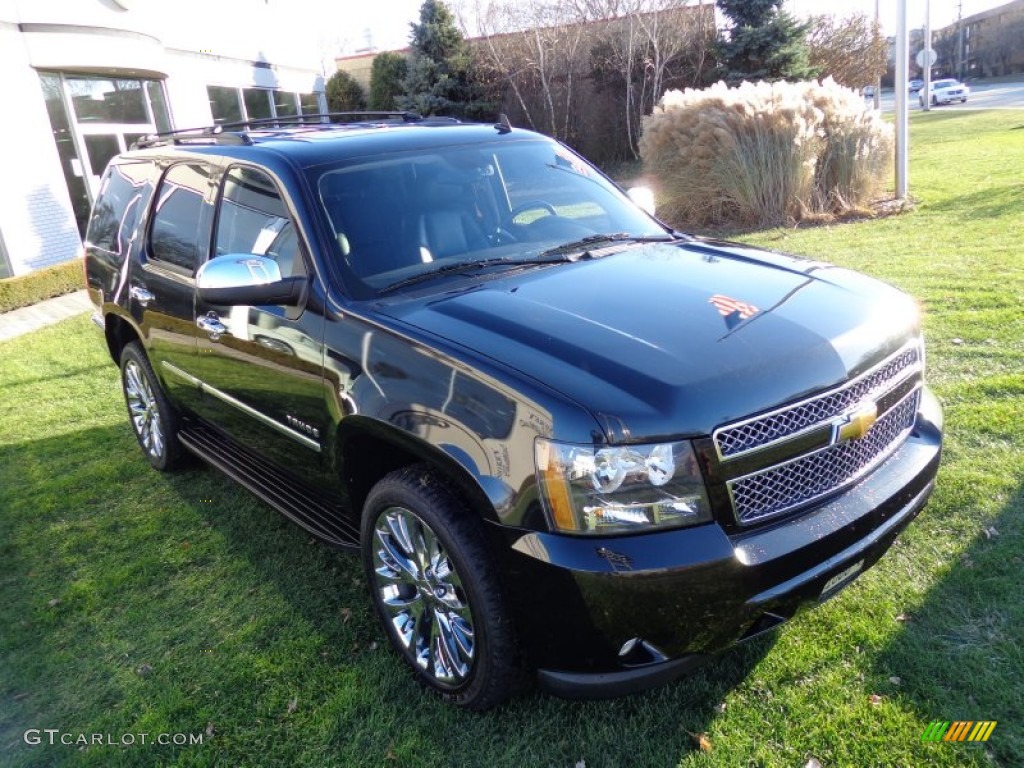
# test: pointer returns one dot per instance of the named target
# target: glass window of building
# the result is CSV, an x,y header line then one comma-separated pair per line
x,y
257,103
224,104
285,104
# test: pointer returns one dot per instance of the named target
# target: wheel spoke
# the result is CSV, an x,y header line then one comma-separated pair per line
x,y
450,649
426,546
394,551
425,631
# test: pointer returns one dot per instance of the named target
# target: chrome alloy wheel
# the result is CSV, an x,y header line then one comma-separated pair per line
x,y
143,409
423,596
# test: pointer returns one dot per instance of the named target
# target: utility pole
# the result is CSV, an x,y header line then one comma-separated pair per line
x,y
960,41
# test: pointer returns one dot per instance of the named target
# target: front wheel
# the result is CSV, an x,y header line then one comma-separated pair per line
x,y
153,418
436,591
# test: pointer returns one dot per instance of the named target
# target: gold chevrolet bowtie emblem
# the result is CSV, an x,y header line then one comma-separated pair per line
x,y
854,425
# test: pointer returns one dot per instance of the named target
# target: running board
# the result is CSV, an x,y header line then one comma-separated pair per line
x,y
315,512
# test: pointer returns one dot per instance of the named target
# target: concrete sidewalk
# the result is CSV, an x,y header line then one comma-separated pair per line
x,y
27,319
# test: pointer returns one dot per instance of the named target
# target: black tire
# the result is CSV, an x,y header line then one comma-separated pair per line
x,y
436,590
153,419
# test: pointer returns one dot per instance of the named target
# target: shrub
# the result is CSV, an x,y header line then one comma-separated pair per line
x,y
343,93
42,284
764,154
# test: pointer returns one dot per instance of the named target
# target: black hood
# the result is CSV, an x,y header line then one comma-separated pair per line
x,y
675,339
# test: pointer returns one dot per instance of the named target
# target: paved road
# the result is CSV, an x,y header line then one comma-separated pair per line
x,y
983,96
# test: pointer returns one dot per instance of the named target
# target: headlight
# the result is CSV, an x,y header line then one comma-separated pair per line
x,y
615,489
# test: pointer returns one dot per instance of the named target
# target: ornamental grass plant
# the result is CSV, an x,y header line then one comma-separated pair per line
x,y
765,154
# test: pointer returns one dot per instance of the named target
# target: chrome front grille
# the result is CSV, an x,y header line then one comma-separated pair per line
x,y
784,487
754,434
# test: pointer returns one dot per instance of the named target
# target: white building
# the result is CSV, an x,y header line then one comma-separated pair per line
x,y
83,78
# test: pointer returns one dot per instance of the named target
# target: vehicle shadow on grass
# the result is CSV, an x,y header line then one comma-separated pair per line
x,y
180,600
959,653
328,590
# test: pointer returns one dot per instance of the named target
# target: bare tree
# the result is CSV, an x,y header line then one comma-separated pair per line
x,y
565,63
535,47
851,49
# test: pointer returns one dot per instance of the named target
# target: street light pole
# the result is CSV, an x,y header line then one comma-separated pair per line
x,y
878,80
927,90
901,99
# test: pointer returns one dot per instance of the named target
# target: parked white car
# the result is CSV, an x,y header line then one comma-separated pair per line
x,y
946,92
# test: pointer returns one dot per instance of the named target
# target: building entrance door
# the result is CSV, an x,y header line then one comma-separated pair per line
x,y
95,117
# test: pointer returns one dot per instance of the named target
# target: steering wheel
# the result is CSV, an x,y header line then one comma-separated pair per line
x,y
530,205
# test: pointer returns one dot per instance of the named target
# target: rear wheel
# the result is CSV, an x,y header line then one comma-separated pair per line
x,y
153,418
436,590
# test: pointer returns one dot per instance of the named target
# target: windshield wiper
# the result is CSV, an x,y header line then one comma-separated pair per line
x,y
465,266
585,243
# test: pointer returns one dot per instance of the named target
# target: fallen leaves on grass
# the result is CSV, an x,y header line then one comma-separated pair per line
x,y
702,740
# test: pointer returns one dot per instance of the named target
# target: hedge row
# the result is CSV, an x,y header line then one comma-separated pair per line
x,y
45,283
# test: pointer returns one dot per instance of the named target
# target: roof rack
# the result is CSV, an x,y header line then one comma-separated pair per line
x,y
237,132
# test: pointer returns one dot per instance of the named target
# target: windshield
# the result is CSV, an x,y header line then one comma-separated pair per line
x,y
400,215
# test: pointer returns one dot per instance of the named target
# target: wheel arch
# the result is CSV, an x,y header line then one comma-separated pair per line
x,y
119,332
368,449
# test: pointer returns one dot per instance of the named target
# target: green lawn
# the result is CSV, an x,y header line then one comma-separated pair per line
x,y
133,602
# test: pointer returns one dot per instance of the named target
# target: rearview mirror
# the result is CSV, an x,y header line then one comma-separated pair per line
x,y
247,279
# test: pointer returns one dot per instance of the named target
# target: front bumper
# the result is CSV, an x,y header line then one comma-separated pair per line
x,y
615,615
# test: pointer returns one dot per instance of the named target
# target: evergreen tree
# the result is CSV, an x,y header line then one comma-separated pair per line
x,y
439,79
763,43
386,76
343,93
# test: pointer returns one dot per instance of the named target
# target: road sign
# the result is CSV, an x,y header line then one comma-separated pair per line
x,y
926,57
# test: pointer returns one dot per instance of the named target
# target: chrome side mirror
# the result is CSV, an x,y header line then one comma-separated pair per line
x,y
245,278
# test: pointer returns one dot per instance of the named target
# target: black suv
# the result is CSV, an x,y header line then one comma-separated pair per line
x,y
568,441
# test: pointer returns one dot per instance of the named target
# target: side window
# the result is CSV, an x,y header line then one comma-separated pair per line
x,y
253,219
173,237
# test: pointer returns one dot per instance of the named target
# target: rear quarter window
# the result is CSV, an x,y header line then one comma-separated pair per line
x,y
125,192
